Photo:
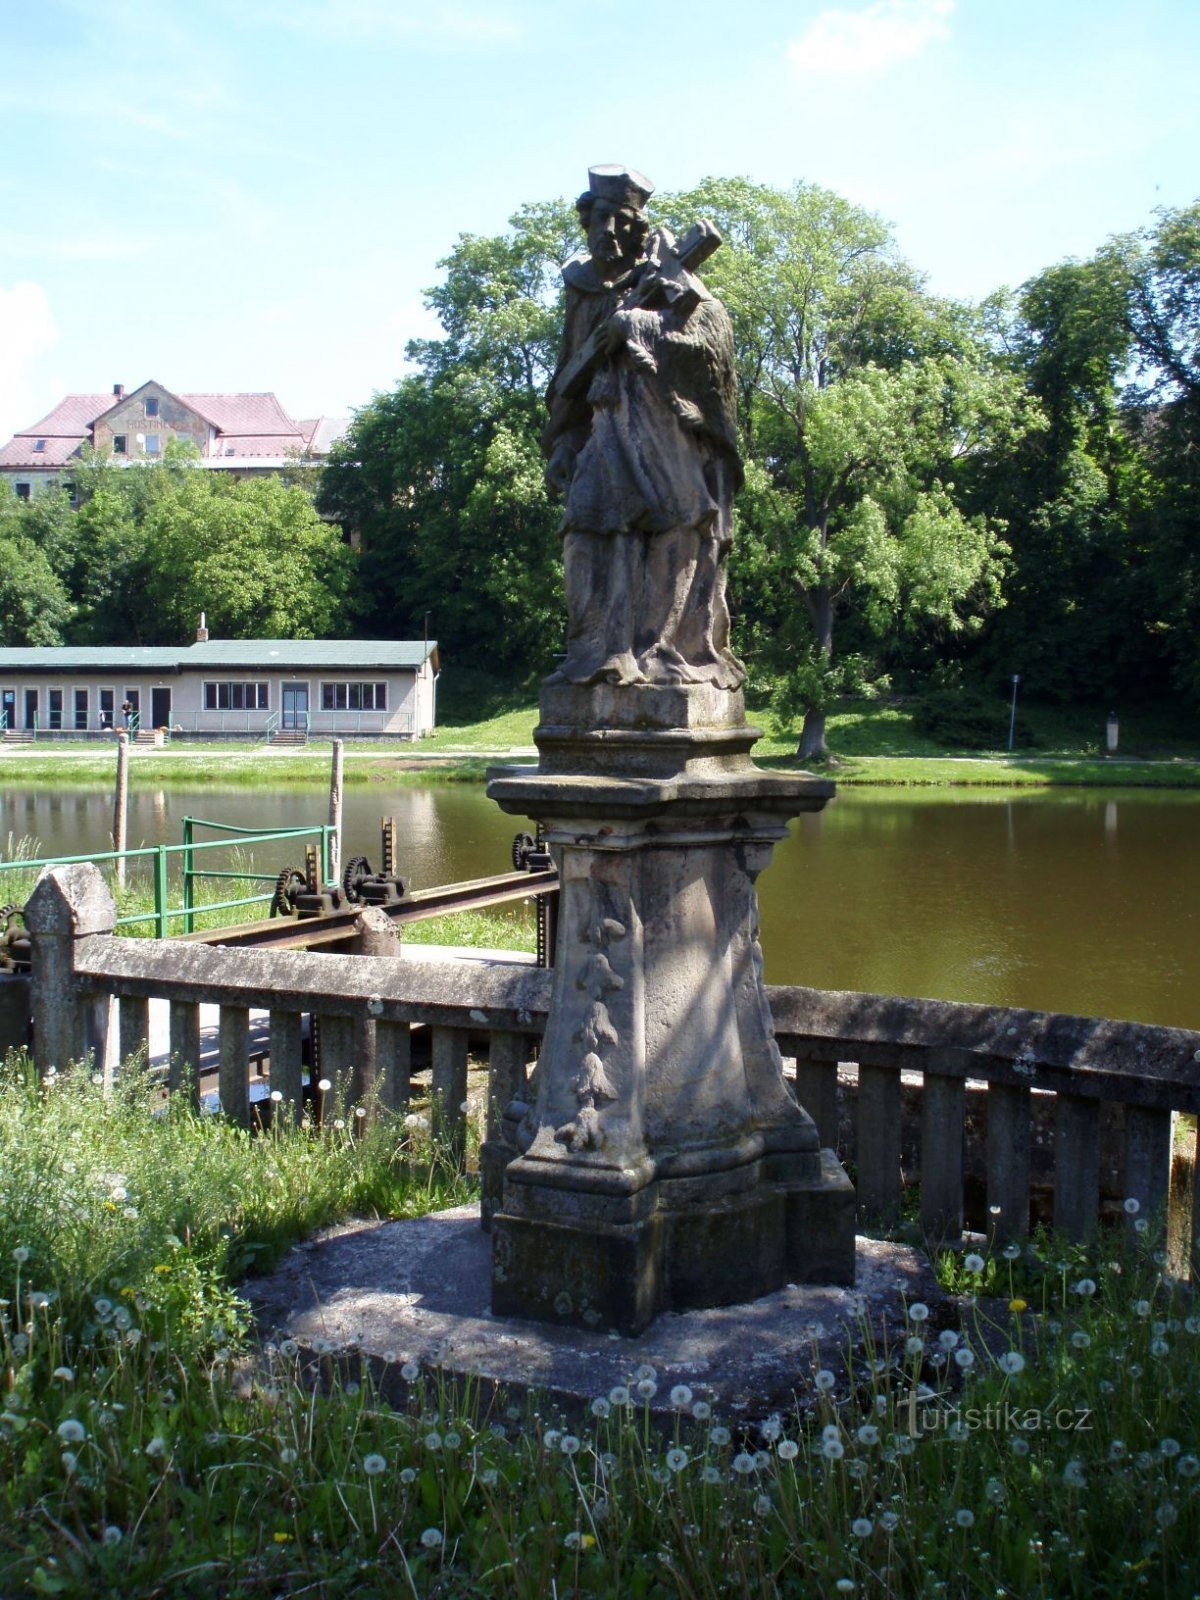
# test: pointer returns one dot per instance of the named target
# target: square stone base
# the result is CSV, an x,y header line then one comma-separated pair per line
x,y
550,1268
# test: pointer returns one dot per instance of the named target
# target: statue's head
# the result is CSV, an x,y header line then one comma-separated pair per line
x,y
611,211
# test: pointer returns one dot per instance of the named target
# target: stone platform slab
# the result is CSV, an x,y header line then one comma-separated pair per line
x,y
419,1290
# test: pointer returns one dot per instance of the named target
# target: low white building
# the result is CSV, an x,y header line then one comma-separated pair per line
x,y
367,688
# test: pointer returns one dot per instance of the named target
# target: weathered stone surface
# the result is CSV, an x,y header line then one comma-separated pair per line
x,y
642,445
419,1290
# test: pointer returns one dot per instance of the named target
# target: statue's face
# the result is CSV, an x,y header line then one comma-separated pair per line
x,y
612,236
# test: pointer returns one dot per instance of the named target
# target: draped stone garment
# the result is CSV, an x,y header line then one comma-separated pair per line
x,y
648,518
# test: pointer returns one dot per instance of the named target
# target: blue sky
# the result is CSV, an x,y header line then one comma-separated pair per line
x,y
252,194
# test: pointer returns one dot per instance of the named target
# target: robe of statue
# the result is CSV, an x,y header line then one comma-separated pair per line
x,y
648,518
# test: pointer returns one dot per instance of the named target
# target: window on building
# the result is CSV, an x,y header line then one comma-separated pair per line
x,y
39,445
237,697
151,444
22,491
108,701
81,710
118,444
354,697
56,708
151,406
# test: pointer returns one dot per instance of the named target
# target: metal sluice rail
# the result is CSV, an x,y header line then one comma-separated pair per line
x,y
159,856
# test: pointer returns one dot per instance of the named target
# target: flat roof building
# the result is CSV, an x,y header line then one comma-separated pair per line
x,y
222,688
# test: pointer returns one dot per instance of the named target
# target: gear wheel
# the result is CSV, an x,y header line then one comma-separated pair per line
x,y
521,846
357,868
291,881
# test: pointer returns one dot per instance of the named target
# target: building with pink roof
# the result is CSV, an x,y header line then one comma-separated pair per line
x,y
243,434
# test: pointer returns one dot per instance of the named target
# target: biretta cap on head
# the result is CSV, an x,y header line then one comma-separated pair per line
x,y
624,185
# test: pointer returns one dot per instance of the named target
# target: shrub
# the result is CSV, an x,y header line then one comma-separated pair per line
x,y
961,720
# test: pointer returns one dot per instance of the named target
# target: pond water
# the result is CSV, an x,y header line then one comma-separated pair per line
x,y
1064,900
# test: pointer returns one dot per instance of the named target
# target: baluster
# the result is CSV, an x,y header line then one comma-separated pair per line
x,y
1008,1121
183,1070
879,1144
393,1064
508,1056
287,1064
133,1022
816,1090
337,1057
450,1088
943,1104
1076,1166
233,1067
1147,1158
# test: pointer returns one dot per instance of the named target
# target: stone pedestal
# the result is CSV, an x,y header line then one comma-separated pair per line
x,y
663,1164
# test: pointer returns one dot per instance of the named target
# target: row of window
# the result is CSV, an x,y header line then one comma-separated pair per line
x,y
354,697
57,712
237,697
254,695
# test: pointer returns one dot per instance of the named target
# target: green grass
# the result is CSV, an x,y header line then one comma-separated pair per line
x,y
1042,1440
873,742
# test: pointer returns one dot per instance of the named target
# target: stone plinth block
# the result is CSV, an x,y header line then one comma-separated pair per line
x,y
663,1163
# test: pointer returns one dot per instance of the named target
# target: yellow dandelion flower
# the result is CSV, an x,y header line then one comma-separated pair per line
x,y
282,1538
1018,1305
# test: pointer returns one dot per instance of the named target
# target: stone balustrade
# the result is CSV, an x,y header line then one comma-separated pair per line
x,y
997,1089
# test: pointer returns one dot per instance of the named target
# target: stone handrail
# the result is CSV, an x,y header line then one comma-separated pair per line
x,y
1032,1069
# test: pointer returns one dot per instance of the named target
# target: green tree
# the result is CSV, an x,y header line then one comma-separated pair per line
x,y
863,401
34,605
1162,264
441,480
1077,593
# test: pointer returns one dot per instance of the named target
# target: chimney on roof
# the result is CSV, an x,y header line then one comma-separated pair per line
x,y
201,631
118,391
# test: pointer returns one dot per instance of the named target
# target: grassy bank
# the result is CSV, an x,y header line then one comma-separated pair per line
x,y
1043,1440
871,743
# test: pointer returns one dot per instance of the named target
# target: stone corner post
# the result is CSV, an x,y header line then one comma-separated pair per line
x,y
68,903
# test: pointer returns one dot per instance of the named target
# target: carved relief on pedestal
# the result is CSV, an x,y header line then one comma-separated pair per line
x,y
598,1036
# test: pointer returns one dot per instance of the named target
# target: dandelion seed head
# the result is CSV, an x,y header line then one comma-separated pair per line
x,y
824,1380
1132,1207
788,1450
431,1538
973,1262
701,1411
862,1527
677,1459
719,1434
373,1465
72,1431
600,1407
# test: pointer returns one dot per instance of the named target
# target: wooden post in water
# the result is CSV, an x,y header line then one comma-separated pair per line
x,y
335,811
121,805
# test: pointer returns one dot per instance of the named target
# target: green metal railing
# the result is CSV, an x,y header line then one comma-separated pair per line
x,y
242,836
159,857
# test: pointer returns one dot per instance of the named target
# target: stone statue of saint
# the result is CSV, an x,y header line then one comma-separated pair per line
x,y
642,444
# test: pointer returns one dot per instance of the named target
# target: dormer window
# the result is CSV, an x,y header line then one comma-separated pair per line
x,y
151,406
39,445
118,444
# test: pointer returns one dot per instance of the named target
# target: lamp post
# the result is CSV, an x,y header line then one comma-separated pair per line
x,y
1012,719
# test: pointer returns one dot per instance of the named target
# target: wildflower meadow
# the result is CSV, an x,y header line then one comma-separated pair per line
x,y
1043,1439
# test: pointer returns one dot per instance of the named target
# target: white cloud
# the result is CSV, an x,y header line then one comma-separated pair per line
x,y
861,43
27,331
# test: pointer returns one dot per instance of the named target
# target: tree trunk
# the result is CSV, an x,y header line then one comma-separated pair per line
x,y
812,735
